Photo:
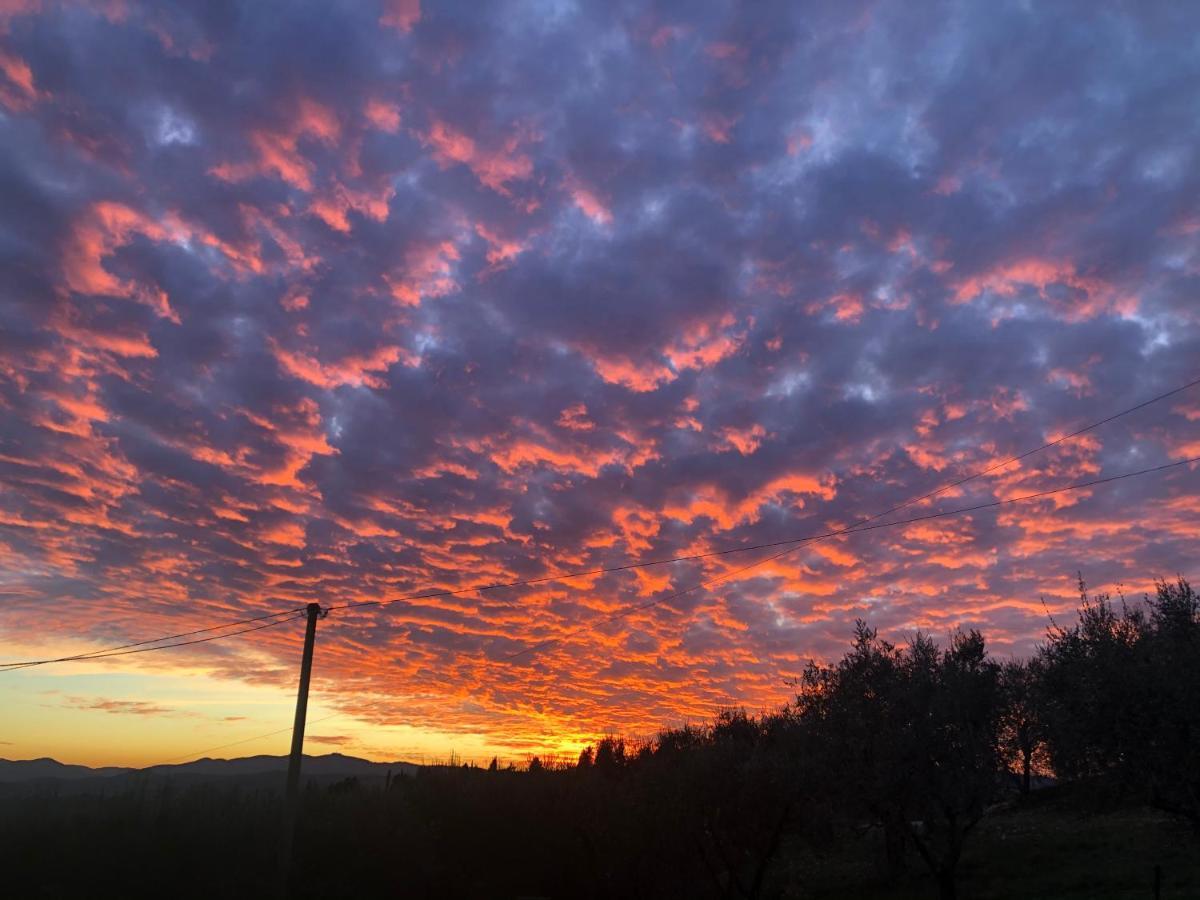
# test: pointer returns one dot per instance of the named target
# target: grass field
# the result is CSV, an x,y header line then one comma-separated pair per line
x,y
220,842
1051,847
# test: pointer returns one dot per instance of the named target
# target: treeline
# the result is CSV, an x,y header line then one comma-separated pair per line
x,y
887,761
916,741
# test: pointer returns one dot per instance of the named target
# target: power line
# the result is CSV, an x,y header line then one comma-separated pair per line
x,y
1054,443
140,646
84,657
257,737
854,529
542,579
168,637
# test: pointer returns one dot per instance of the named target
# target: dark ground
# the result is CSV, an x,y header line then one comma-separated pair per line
x,y
461,835
1047,848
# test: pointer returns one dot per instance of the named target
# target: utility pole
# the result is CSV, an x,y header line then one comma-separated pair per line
x,y
310,638
292,796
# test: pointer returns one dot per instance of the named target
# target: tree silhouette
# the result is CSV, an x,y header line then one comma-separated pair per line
x,y
1122,690
912,739
1023,718
1094,688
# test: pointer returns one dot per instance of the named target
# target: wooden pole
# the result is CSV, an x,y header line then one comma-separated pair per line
x,y
292,795
310,638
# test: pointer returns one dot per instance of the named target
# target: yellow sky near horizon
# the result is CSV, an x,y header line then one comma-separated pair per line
x,y
143,713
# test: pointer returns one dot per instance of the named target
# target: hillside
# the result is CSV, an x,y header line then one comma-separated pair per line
x,y
261,771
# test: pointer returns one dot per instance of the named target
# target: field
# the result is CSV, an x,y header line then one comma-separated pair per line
x,y
454,833
1048,848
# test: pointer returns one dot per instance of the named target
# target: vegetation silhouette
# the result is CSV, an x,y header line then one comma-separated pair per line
x,y
896,771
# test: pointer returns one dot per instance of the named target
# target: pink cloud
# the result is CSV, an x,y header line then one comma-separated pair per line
x,y
588,203
639,377
429,271
574,418
501,250
357,370
277,150
401,14
717,127
494,168
1092,295
97,233
19,93
382,115
744,440
335,204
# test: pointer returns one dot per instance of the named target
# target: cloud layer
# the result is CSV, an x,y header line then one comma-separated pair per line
x,y
339,302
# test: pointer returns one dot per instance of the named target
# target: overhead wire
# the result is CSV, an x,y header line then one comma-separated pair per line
x,y
257,737
855,529
606,570
860,527
790,543
167,637
87,657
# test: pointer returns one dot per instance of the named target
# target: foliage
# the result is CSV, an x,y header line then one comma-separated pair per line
x,y
911,740
1122,689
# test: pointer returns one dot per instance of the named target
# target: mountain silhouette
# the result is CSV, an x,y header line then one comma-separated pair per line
x,y
259,771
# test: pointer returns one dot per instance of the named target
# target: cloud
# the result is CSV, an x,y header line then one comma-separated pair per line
x,y
120,707
337,740
384,300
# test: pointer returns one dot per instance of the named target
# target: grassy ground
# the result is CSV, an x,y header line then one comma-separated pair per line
x,y
211,842
1049,848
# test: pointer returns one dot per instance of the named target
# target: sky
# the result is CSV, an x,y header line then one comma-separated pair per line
x,y
340,302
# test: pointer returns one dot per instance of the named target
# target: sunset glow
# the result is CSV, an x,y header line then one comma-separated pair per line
x,y
357,302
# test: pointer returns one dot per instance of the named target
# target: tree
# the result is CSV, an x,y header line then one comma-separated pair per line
x,y
950,746
610,755
1022,718
1168,753
719,800
1123,689
849,710
911,737
1094,689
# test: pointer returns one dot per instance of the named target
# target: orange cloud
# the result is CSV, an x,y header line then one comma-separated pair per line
x,y
382,115
356,371
335,204
97,233
574,418
587,201
744,440
278,150
701,345
636,526
494,168
705,344
429,271
1092,295
500,250
846,307
19,93
642,377
709,501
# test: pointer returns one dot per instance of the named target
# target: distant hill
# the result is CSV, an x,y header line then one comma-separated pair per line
x,y
329,764
33,769
260,771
